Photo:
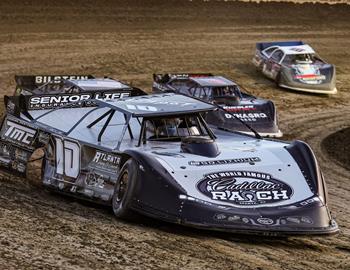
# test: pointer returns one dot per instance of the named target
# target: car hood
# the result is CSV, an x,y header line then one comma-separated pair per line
x,y
251,173
311,73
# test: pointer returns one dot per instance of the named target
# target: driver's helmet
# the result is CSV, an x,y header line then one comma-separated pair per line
x,y
226,91
169,127
303,59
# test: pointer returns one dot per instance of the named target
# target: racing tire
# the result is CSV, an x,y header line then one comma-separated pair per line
x,y
35,167
124,191
278,79
260,67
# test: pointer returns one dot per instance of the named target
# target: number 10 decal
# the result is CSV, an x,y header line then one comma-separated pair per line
x,y
67,157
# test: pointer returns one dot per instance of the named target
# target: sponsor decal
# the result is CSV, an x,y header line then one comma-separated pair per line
x,y
310,77
53,101
246,220
94,180
227,218
187,75
308,73
19,133
105,161
106,158
141,107
265,221
156,102
248,117
240,108
224,161
220,216
244,188
57,79
296,220
297,49
309,201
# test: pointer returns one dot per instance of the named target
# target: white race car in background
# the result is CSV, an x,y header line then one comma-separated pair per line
x,y
295,65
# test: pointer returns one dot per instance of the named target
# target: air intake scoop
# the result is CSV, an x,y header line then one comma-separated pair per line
x,y
201,146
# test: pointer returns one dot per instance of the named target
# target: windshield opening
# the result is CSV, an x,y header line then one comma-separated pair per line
x,y
174,128
306,58
226,91
210,92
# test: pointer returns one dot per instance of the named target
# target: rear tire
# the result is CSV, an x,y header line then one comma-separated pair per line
x,y
35,167
124,190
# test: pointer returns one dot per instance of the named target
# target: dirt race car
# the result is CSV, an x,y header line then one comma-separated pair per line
x,y
258,113
157,156
295,65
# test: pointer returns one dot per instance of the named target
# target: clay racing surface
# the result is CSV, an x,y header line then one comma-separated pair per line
x,y
332,146
130,41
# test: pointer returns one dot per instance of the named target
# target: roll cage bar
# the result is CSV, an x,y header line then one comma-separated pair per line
x,y
127,115
109,114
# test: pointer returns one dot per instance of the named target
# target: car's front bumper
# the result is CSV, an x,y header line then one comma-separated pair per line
x,y
312,90
313,219
326,87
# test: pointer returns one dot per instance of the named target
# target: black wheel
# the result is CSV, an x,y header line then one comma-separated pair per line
x,y
124,190
278,79
35,167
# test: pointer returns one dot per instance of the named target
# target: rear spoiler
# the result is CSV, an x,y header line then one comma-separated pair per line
x,y
32,82
263,45
24,103
166,77
17,105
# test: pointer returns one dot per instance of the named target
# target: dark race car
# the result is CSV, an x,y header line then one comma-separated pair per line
x,y
157,156
258,113
295,65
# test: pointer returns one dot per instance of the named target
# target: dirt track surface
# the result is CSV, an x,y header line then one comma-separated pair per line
x,y
130,41
332,146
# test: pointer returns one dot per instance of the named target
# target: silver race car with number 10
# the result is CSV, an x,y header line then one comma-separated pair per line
x,y
156,155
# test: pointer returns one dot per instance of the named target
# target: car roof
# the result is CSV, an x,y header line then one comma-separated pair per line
x,y
300,49
214,81
99,84
157,105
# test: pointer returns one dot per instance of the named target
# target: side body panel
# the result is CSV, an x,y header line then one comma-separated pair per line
x,y
81,170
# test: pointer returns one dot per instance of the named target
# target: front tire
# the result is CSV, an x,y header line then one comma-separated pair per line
x,y
278,79
124,190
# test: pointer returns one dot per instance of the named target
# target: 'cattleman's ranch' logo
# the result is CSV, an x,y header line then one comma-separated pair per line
x,y
244,188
